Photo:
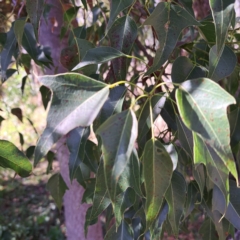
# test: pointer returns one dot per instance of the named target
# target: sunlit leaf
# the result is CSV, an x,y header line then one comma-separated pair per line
x,y
76,144
221,65
157,172
168,21
76,101
11,157
222,11
35,11
98,55
57,188
202,105
118,135
175,197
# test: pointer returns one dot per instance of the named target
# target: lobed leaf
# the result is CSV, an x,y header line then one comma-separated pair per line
x,y
76,101
168,21
202,105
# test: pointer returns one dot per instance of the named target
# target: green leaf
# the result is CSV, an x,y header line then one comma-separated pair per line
x,y
157,172
57,187
232,213
185,137
168,21
216,169
175,197
122,35
46,96
18,30
118,135
101,198
78,32
11,157
208,31
76,101
76,142
183,69
92,156
7,53
123,201
200,177
221,65
154,105
222,11
202,105
124,231
234,119
35,11
208,231
98,55
89,192
116,7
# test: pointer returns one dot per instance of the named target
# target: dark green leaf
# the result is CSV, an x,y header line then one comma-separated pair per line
x,y
35,11
89,192
208,31
122,35
92,156
7,53
78,32
30,151
46,96
222,11
70,14
157,172
200,177
234,120
18,113
11,157
208,120
183,69
207,230
99,55
76,101
168,21
21,139
221,65
118,135
175,197
76,142
24,79
18,31
124,231
116,7
57,187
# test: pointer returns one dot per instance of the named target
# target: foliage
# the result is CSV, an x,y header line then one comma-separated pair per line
x,y
146,182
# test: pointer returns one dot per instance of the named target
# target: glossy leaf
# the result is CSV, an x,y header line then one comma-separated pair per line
x,y
221,65
11,157
157,172
116,8
168,21
216,170
76,142
183,69
18,30
202,105
76,101
232,213
35,11
98,55
223,12
57,188
118,136
175,197
122,35
124,231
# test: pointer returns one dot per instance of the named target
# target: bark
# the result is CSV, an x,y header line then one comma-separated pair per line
x,y
74,211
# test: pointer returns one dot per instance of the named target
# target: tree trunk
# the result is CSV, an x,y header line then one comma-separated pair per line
x,y
73,209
